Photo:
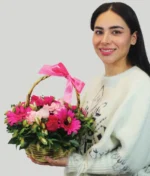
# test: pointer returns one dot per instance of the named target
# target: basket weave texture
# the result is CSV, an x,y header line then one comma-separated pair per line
x,y
39,154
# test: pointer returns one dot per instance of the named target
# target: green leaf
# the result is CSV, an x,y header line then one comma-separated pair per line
x,y
56,146
67,144
15,133
34,127
23,129
57,136
73,134
74,142
50,141
13,140
54,139
24,146
13,105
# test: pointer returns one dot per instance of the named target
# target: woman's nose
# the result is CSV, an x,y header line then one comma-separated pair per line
x,y
105,39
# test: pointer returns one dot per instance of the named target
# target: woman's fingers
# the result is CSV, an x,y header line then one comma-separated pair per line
x,y
57,162
51,162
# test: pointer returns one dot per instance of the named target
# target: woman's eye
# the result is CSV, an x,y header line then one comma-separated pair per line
x,y
116,32
98,32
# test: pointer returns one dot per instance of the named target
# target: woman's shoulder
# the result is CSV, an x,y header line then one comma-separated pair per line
x,y
140,77
94,81
139,81
92,84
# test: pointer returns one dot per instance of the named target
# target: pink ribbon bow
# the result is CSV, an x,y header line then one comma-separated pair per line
x,y
60,70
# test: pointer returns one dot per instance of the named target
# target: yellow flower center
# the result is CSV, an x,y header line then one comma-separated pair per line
x,y
69,119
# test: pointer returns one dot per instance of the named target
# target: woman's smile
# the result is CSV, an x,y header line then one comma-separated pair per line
x,y
107,51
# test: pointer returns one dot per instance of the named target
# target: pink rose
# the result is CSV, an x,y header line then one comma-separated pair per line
x,y
55,107
31,117
43,112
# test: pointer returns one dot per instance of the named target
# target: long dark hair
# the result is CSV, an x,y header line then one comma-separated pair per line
x,y
137,53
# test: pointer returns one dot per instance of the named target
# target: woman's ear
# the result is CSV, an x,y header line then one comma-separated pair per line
x,y
134,38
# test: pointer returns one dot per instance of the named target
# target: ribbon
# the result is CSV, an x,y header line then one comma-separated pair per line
x,y
60,70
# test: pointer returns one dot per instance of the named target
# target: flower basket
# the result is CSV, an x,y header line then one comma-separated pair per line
x,y
39,154
44,126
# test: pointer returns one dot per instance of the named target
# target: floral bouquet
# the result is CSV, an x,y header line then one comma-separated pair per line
x,y
43,125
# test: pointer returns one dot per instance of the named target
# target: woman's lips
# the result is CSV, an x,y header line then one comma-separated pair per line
x,y
106,51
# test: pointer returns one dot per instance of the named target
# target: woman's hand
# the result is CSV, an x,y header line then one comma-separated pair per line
x,y
62,162
58,162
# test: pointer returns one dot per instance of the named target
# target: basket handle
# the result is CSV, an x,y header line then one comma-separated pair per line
x,y
37,82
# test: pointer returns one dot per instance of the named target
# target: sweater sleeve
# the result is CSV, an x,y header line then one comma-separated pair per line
x,y
132,130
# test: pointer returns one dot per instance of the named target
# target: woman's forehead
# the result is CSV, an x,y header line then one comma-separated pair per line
x,y
109,19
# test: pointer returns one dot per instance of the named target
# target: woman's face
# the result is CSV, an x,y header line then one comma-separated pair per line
x,y
112,38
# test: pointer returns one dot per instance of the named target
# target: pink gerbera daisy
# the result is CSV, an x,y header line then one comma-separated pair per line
x,y
68,121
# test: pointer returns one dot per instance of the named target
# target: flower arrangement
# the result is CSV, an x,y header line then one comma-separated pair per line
x,y
44,125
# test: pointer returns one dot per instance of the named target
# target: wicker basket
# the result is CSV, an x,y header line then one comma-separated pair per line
x,y
38,153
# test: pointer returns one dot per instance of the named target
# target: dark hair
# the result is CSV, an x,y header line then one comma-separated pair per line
x,y
137,53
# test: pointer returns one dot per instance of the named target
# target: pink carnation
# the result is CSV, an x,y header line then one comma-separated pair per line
x,y
74,107
53,123
31,117
42,113
84,112
19,114
37,100
55,107
40,101
48,100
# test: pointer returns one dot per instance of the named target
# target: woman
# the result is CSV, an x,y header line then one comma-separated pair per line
x,y
119,100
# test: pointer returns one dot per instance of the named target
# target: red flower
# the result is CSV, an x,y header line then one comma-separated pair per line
x,y
48,100
37,100
74,107
41,101
53,123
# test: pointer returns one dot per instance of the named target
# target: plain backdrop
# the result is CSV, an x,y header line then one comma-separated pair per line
x,y
38,32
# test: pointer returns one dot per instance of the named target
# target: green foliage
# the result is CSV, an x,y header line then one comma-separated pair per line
x,y
24,134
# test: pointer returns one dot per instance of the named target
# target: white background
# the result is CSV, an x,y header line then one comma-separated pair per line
x,y
38,32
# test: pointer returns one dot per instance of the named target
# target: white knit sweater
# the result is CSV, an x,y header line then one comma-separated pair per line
x,y
120,145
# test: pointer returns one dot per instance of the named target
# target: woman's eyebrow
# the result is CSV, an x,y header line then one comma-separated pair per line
x,y
112,27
